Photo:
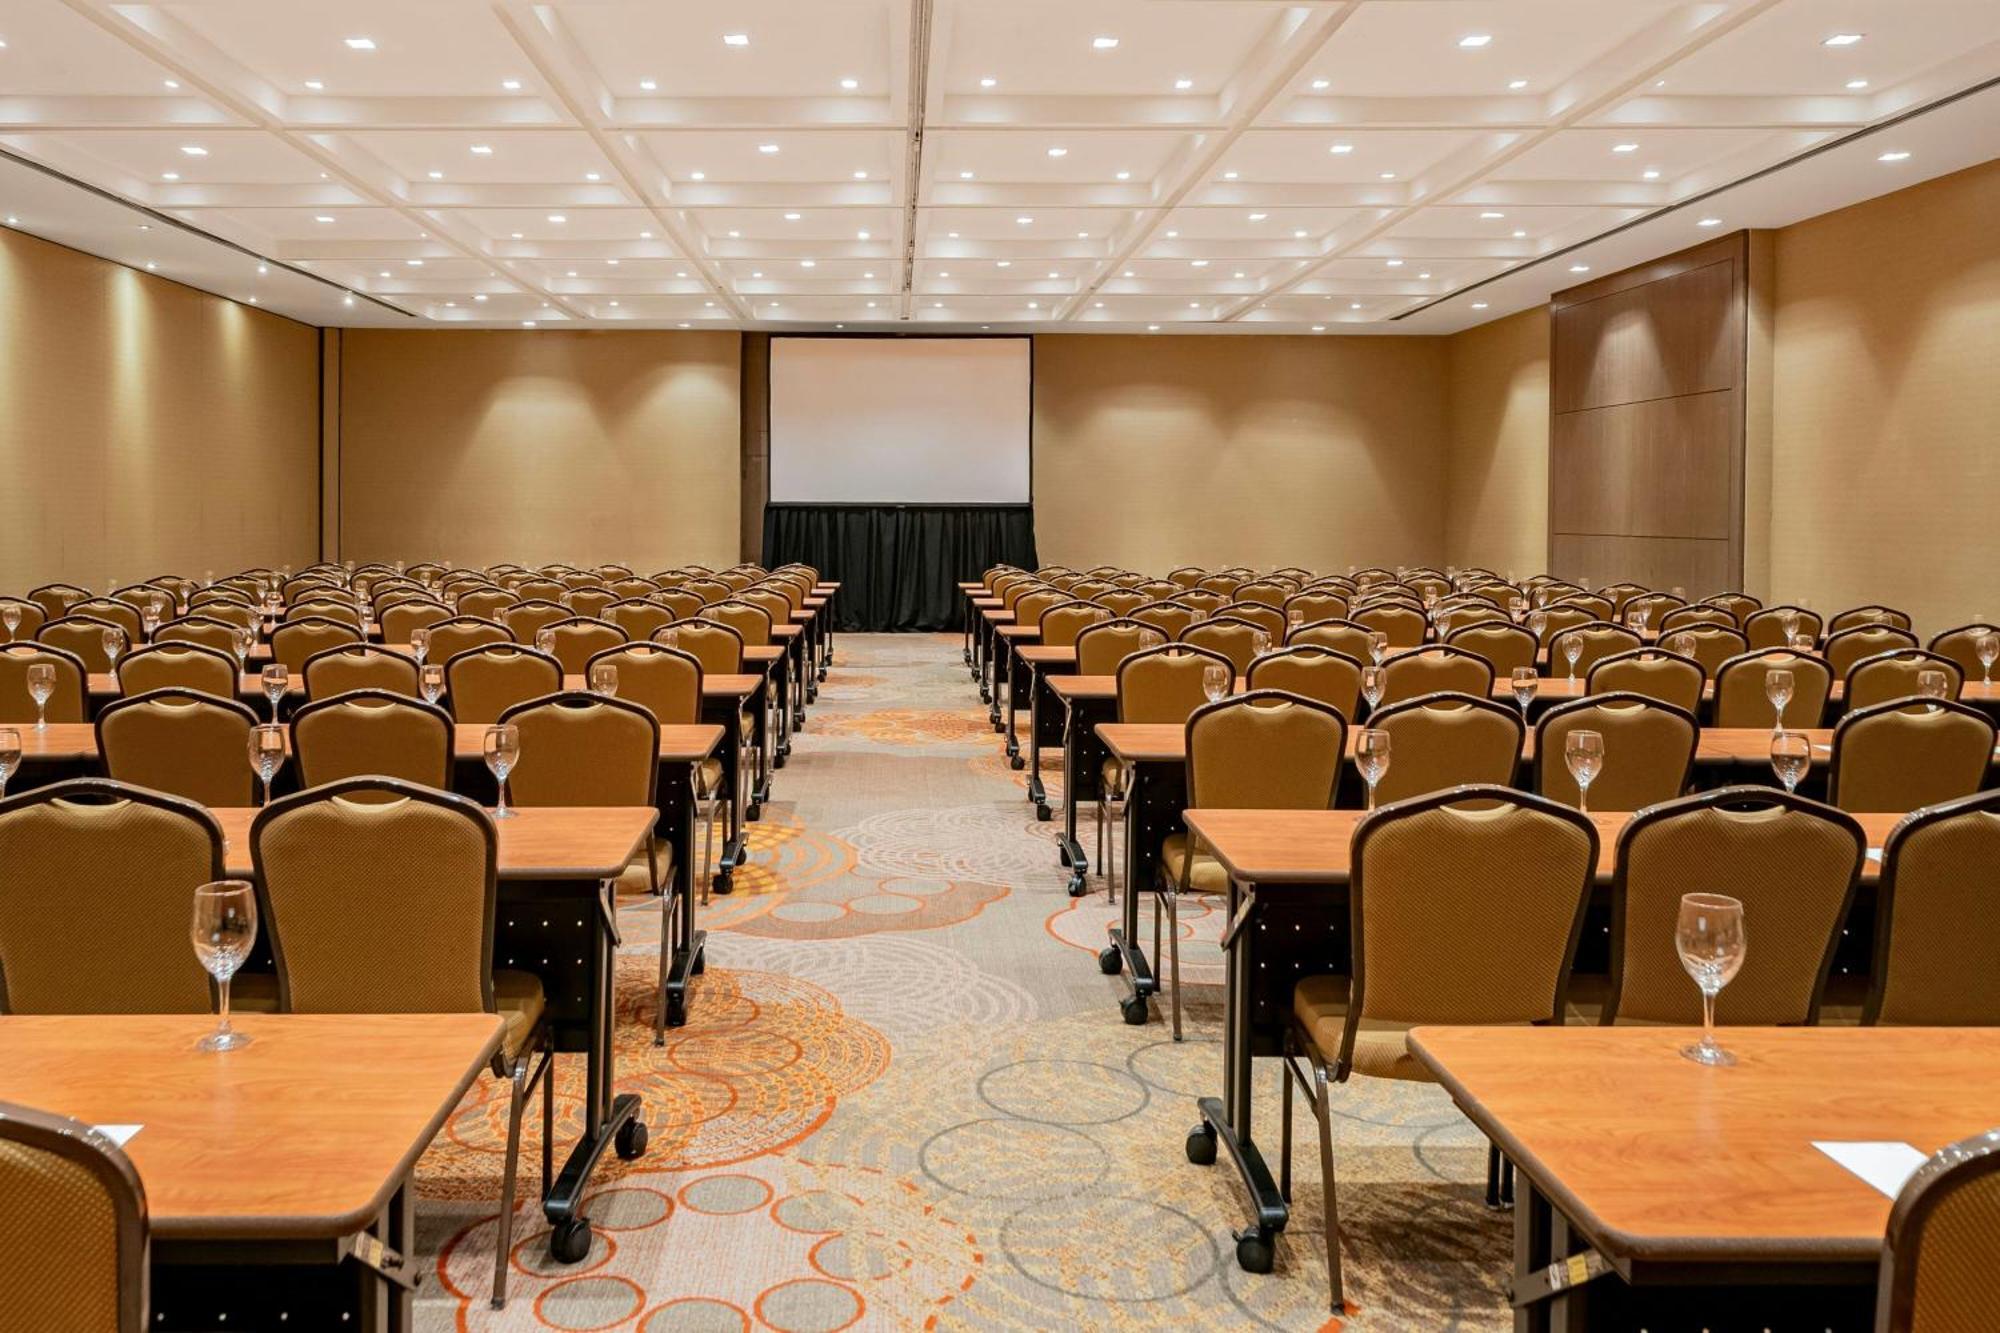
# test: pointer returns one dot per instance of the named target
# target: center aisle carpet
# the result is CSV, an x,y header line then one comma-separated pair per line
x,y
905,1098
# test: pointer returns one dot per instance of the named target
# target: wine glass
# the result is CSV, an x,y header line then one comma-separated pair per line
x,y
114,644
1378,646
604,679
1371,756
10,616
224,928
1637,618
1778,689
267,753
420,643
667,636
1682,643
1293,620
1214,680
1791,756
1802,644
1538,624
1526,682
41,685
10,757
1709,936
1931,684
502,748
1788,620
1373,681
1583,751
1260,643
1986,647
545,641
276,681
430,678
1572,650
149,616
243,639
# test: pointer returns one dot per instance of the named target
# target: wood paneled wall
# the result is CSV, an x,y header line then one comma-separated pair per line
x,y
1646,439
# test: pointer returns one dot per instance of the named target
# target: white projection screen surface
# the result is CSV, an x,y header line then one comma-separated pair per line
x,y
900,420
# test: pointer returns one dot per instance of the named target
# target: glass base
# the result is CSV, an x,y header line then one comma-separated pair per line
x,y
502,812
223,1041
1704,1053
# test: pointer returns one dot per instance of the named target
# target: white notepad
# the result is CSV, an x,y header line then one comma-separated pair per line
x,y
1886,1166
118,1134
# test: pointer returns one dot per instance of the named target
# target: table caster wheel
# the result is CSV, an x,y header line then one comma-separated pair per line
x,y
754,812
1017,763
1043,814
1256,1252
1201,1144
1133,1009
631,1142
1109,961
700,964
570,1241
724,886
1077,887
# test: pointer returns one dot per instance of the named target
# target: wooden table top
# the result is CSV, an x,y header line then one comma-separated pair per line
x,y
1013,632
996,614
536,842
718,686
105,685
680,743
1277,847
786,632
303,1134
764,653
1659,1159
1041,655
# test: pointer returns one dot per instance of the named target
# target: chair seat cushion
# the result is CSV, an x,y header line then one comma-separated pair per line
x,y
654,875
518,998
746,726
1113,778
1207,875
1381,1050
710,777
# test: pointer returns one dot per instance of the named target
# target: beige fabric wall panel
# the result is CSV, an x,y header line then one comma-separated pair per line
x,y
1157,452
1497,469
1886,402
584,446
146,427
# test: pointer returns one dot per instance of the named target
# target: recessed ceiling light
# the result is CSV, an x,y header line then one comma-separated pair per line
x,y
952,235
1489,215
263,269
557,217
1199,263
1259,217
755,273
1124,175
697,175
1709,222
511,85
592,176
1579,268
1479,305
483,149
1229,175
527,323
147,226
383,274
988,83
1842,39
1054,274
1152,328
1624,148
1005,263
1354,305
1023,220
868,275
253,301
1520,235
1183,84
1894,155
767,148
347,300
736,39
1341,148
170,175
649,85
860,235
808,263
414,263
1517,84
437,175
1319,328
645,235
149,263
1650,173
1388,175
1856,85
871,305
1423,275
194,150
1058,152
1475,39
965,175
1394,263
944,273
1104,43
792,217
480,297
323,218
1098,304
850,84
1083,236
1239,273
735,235
1321,85
516,235
315,85
171,83
614,305
1194,305
361,43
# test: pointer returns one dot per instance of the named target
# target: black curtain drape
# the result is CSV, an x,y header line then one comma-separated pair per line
x,y
899,566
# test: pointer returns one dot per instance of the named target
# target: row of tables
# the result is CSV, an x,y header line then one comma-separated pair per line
x,y
1699,1188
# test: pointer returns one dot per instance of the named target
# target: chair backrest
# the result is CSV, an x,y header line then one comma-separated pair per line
x,y
1165,684
1961,645
1342,636
1170,618
1435,670
666,682
369,731
639,618
590,601
1447,740
1264,750
1234,639
524,619
1202,600
1311,672
486,603
1222,585
778,598
56,599
201,628
1843,648
1708,645
1029,606
81,1197
1267,592
28,617
1063,622
122,614
541,589
1937,933
1505,646
398,620
1267,618
69,703
137,854
484,682
1651,673
1187,576
1893,675
1936,1272
1101,646
1648,750
83,638
181,742
1433,943
359,666
573,642
372,868
1405,626
749,620
1316,604
454,636
296,640
1872,614
585,749
1904,754
1766,628
1740,700
1120,601
1597,640
1792,862
343,613
718,647
1685,617
183,666
1738,604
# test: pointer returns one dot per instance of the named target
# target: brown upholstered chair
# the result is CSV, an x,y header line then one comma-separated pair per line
x,y
1558,619
56,599
718,648
1201,600
370,731
1405,626
69,702
684,605
482,683
1687,617
591,601
638,618
1774,626
320,608
399,619
750,621
1446,740
26,618
184,666
1234,639
1435,670
1648,750
138,853
1937,933
83,637
203,630
181,742
1894,675
1122,601
1311,672
1652,673
525,619
486,603
666,682
574,641
359,666
1100,647
66,1187
1342,636
1316,604
296,640
1154,685
1962,645
1843,648
405,877
1267,618
1793,863
451,637
1708,645
1904,754
1937,1258
122,614
1170,618
1265,592
1064,621
1738,604
1598,640
1872,614
1434,944
1740,700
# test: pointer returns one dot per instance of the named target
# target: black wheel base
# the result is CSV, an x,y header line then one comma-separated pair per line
x,y
754,811
1201,1144
1077,888
1043,814
570,1241
1133,1010
1109,961
631,1141
724,886
1256,1251
1017,763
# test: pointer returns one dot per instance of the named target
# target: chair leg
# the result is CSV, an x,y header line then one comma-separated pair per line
x,y
504,1242
549,1121
1324,1114
1174,952
1285,1123
1492,1174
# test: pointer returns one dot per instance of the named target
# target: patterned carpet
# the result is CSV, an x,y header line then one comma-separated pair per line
x,y
905,1099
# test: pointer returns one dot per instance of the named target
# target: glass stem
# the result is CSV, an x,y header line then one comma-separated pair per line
x,y
41,715
222,993
1707,1018
1583,798
1371,796
502,807
267,789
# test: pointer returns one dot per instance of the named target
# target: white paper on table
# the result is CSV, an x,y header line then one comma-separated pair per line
x,y
118,1134
1886,1166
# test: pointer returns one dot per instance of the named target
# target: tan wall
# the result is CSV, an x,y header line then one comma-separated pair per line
x,y
1497,465
1886,401
1156,452
147,428
584,446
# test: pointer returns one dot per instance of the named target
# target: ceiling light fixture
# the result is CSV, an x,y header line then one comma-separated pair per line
x,y
1489,215
511,85
850,84
557,217
322,218
1894,155
1856,85
860,235
194,150
1479,305
697,175
1650,173
437,175
414,263
592,176
1058,152
360,43
1124,175
1299,235
1709,222
1474,40
1843,39
315,85
480,297
1341,148
965,175
482,150
1104,43
1579,268
1152,328
861,175
1517,84
649,85
808,263
1520,235
792,217
1259,217
767,148
1023,220
347,300
1394,263
170,175
1321,85
1624,148
736,39
988,83
173,85
1199,263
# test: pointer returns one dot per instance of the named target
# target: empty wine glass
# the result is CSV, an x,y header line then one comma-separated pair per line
x,y
276,681
41,685
149,615
1371,756
1931,684
1526,682
545,641
1709,936
114,644
1791,756
267,753
420,643
667,636
1801,643
1572,650
1517,606
1680,594
1778,689
1788,620
502,748
10,757
430,678
1373,679
1986,647
604,679
1682,643
224,928
1260,643
1214,680
10,616
1293,619
1637,618
243,640
1583,751
1378,646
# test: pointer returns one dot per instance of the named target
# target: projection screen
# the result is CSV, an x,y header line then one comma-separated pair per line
x,y
900,420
